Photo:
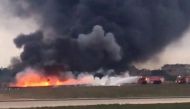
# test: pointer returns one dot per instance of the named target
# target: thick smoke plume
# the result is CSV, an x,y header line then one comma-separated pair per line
x,y
139,29
88,51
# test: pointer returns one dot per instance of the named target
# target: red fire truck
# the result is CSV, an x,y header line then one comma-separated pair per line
x,y
183,79
151,80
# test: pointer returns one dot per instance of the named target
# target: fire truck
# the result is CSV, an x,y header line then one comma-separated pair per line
x,y
182,79
142,80
151,80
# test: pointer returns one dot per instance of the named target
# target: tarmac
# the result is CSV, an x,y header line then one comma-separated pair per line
x,y
29,103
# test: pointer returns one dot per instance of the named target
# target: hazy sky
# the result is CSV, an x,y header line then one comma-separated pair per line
x,y
176,53
11,26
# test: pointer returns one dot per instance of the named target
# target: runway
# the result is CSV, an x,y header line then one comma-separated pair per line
x,y
82,102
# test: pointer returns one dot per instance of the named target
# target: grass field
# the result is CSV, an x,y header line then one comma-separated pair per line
x,y
165,90
153,106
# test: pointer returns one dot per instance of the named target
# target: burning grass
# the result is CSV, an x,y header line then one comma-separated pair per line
x,y
116,106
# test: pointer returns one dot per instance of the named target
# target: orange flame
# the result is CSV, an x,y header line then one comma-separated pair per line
x,y
36,79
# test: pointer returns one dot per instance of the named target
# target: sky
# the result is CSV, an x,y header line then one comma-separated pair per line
x,y
11,26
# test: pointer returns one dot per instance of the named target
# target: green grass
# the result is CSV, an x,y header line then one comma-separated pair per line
x,y
152,106
97,92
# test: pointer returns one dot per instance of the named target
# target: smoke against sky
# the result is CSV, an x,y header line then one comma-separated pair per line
x,y
133,30
10,27
176,53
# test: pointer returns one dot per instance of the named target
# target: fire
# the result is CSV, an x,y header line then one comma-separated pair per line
x,y
31,78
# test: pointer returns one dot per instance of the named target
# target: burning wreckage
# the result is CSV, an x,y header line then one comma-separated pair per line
x,y
34,78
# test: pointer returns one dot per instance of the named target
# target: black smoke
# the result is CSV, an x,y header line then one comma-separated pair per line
x,y
75,33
